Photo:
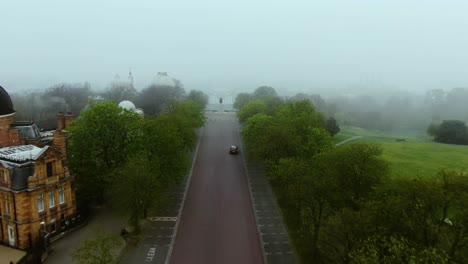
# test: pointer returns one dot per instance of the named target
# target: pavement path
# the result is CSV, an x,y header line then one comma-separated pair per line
x,y
348,140
104,219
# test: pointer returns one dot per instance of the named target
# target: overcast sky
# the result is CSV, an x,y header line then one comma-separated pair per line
x,y
236,45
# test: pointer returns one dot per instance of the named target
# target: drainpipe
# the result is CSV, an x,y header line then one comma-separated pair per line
x,y
16,220
1,230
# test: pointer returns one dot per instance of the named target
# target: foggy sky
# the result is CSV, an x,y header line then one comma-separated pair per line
x,y
236,45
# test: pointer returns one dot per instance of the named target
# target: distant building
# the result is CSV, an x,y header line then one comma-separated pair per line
x,y
131,106
37,199
163,79
121,89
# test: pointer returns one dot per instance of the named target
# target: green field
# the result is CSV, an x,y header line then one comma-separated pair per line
x,y
414,156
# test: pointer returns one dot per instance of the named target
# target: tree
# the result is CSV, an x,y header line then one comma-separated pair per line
x,y
187,117
75,96
200,98
452,132
154,99
432,130
136,188
319,103
241,100
98,250
332,126
250,109
273,103
257,141
289,175
454,218
456,100
120,91
435,101
264,91
100,141
301,120
395,249
357,168
42,107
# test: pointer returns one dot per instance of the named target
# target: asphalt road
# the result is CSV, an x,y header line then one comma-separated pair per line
x,y
217,224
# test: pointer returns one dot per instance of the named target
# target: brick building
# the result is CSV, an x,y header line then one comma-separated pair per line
x,y
37,199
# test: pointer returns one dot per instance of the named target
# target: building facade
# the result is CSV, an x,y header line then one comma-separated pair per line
x,y
37,199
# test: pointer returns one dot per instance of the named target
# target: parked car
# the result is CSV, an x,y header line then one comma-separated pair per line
x,y
234,149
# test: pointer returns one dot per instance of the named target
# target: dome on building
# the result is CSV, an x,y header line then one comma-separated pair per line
x,y
162,79
127,105
6,106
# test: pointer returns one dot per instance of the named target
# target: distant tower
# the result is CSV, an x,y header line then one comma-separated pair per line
x,y
130,76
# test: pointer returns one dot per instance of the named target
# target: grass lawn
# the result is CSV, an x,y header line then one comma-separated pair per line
x,y
417,157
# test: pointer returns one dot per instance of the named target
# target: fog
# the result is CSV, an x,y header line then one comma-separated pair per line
x,y
324,47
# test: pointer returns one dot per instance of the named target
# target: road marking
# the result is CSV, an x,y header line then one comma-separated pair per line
x,y
268,243
150,254
162,218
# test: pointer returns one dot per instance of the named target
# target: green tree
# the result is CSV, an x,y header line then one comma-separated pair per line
x,y
452,132
199,97
258,133
187,117
99,142
301,121
264,91
241,100
357,169
454,214
411,208
137,188
250,109
332,126
289,175
154,99
167,149
189,111
395,249
101,249
432,130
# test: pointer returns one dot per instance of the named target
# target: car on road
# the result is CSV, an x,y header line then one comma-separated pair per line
x,y
233,149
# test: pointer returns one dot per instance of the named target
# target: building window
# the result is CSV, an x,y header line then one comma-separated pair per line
x,y
61,195
40,202
49,169
3,176
51,199
6,206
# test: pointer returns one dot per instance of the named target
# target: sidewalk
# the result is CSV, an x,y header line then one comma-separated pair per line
x,y
104,219
8,254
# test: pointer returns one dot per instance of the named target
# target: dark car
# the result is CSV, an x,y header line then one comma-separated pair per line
x,y
234,149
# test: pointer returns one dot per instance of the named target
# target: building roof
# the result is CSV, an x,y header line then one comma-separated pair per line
x,y
6,106
127,105
163,79
21,153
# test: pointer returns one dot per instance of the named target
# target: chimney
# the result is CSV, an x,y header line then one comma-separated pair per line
x,y
60,121
68,118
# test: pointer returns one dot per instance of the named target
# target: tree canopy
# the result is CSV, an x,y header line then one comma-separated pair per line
x,y
99,142
199,97
129,157
98,250
452,132
341,204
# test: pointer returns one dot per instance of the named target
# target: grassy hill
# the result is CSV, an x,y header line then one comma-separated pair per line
x,y
416,156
